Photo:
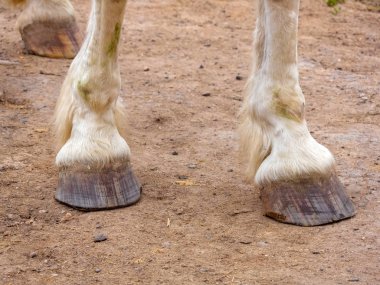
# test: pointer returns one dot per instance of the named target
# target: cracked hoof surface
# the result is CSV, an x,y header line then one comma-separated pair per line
x,y
91,189
52,39
307,202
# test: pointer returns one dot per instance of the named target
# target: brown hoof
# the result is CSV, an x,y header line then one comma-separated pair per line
x,y
109,187
307,202
52,39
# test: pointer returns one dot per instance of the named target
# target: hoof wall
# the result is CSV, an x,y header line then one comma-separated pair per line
x,y
307,202
98,189
52,39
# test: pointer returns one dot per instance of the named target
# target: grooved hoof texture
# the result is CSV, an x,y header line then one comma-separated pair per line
x,y
109,187
307,202
52,39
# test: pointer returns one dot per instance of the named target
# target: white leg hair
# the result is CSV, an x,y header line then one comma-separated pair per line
x,y
89,115
274,135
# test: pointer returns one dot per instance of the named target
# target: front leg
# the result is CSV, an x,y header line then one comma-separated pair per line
x,y
94,161
296,174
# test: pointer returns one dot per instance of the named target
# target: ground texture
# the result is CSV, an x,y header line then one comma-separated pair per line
x,y
198,221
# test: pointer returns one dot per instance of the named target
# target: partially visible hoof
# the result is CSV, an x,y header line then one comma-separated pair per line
x,y
307,202
59,39
88,189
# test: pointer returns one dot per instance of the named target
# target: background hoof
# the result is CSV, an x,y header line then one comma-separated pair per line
x,y
52,39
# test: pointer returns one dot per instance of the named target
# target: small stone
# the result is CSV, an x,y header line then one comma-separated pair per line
x,y
11,216
146,69
201,66
166,244
183,177
100,238
207,94
97,270
33,254
239,77
67,217
192,165
179,211
262,243
174,153
230,170
354,280
42,211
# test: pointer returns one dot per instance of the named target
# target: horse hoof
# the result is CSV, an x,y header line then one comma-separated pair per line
x,y
307,202
91,189
55,39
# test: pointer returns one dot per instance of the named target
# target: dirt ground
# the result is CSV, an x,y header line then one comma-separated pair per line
x,y
212,232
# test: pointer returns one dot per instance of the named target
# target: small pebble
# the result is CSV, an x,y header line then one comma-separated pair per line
x,y
67,217
192,166
11,216
182,177
174,153
262,243
33,254
97,270
207,94
239,77
146,69
179,211
100,238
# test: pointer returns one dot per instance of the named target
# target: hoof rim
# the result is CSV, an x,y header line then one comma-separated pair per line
x,y
92,189
307,202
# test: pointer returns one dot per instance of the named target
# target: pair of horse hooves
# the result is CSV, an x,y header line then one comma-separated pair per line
x,y
305,202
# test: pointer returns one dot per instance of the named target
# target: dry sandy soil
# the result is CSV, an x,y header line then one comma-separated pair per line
x,y
217,233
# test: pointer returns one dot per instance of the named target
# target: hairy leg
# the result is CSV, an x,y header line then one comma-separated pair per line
x,y
48,28
94,159
295,172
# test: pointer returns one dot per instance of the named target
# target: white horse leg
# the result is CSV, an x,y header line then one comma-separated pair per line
x,y
296,174
48,28
94,161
